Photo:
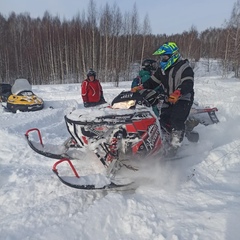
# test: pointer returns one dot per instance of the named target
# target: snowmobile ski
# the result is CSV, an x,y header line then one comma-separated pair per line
x,y
75,182
41,149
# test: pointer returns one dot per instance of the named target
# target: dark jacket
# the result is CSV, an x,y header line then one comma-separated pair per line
x,y
180,76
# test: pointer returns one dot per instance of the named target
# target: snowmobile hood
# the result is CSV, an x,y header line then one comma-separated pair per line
x,y
89,115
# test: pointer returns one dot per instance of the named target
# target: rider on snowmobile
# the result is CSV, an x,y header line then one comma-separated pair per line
x,y
148,68
177,77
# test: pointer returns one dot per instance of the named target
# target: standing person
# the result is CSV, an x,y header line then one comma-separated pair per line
x,y
92,93
177,77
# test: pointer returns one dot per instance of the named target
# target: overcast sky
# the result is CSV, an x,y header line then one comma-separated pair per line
x,y
168,17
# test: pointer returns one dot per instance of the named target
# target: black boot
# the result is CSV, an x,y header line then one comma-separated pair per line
x,y
191,135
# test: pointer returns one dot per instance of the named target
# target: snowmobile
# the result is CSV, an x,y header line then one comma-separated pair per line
x,y
120,136
5,91
22,98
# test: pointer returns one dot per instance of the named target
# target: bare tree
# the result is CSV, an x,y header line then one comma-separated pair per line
x,y
106,30
92,19
234,25
116,50
145,31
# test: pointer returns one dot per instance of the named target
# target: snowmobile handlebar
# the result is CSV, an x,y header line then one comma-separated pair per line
x,y
151,97
147,97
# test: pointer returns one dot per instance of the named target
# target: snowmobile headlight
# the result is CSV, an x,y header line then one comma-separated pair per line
x,y
124,105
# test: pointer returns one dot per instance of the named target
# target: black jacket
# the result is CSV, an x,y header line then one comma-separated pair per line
x,y
180,76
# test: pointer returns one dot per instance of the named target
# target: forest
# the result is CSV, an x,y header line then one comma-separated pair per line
x,y
49,50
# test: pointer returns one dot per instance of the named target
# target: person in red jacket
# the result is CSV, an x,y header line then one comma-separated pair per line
x,y
92,93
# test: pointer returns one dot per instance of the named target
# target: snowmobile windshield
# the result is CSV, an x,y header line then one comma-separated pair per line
x,y
124,105
21,85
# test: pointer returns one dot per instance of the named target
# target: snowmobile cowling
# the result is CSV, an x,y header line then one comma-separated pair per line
x,y
136,131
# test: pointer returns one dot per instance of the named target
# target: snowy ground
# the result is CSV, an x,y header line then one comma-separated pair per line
x,y
193,198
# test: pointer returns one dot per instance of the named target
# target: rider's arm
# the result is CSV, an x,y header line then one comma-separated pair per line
x,y
154,81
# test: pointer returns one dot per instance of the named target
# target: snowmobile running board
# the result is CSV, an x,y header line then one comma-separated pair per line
x,y
44,153
111,185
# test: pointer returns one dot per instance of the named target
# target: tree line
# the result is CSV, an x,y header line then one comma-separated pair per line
x,y
49,50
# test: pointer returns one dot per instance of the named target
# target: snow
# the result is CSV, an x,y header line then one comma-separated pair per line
x,y
196,197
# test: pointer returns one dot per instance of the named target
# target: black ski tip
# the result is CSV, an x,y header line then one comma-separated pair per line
x,y
110,186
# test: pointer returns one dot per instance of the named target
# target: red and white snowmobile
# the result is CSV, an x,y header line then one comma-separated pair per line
x,y
120,135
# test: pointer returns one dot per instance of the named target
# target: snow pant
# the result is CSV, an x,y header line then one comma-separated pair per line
x,y
93,104
173,116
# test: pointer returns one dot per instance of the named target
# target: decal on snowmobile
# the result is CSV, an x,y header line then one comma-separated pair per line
x,y
154,137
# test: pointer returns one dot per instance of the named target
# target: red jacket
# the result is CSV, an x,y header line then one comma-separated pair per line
x,y
91,91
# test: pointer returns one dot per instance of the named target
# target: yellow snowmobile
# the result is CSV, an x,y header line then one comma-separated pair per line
x,y
22,98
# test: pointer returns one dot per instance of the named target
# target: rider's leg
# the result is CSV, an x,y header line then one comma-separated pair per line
x,y
179,114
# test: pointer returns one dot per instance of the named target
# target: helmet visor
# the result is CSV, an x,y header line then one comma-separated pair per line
x,y
165,58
